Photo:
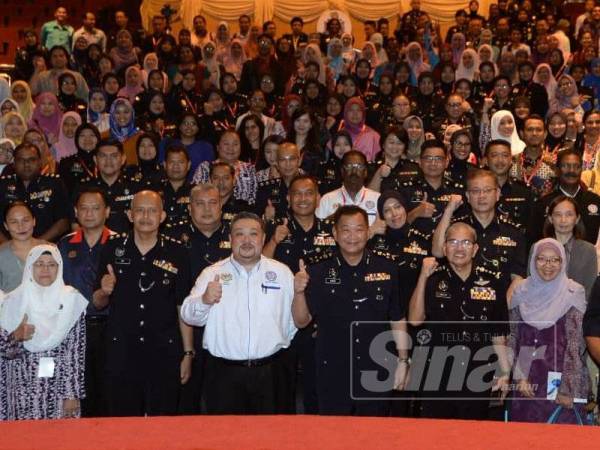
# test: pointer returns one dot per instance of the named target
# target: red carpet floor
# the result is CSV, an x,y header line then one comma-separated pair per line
x,y
295,432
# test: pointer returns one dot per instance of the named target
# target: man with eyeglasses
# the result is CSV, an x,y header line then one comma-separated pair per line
x,y
516,200
353,190
263,64
144,277
454,114
568,169
272,195
44,193
119,189
463,312
502,246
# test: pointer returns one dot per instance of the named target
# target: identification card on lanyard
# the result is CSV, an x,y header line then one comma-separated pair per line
x,y
46,368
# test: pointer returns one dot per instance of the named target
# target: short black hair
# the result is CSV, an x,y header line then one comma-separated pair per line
x,y
433,143
92,190
296,19
174,148
354,153
14,204
26,145
111,143
568,152
247,215
349,210
303,177
493,142
218,164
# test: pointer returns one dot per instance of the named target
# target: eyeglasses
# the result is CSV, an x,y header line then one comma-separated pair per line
x,y
554,261
454,105
455,243
485,191
433,159
355,166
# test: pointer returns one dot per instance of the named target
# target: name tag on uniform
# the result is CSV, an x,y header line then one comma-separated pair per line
x,y
46,368
379,276
123,261
504,241
483,293
224,244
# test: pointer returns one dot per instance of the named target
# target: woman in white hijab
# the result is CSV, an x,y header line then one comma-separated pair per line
x,y
46,380
543,75
150,64
501,126
468,67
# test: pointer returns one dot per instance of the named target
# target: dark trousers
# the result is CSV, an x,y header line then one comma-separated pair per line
x,y
306,355
236,389
144,390
190,395
94,403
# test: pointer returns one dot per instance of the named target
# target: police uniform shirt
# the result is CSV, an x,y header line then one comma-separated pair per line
x,y
402,172
501,246
73,169
45,195
589,205
457,171
253,319
340,297
311,246
274,190
233,206
203,250
365,198
81,264
414,192
463,316
329,174
516,202
119,194
143,322
150,178
176,202
428,107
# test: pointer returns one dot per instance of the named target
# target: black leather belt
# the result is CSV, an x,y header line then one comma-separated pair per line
x,y
249,362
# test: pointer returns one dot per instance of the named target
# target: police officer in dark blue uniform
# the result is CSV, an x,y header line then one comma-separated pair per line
x,y
144,276
343,293
271,195
81,251
206,238
81,165
222,175
44,194
176,189
119,189
464,313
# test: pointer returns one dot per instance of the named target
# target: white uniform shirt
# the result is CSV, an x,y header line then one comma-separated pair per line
x,y
253,319
365,198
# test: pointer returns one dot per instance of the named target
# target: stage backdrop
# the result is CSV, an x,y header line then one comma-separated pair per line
x,y
283,10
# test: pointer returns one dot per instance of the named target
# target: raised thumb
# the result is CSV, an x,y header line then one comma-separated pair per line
x,y
424,197
25,318
302,266
110,270
217,278
285,222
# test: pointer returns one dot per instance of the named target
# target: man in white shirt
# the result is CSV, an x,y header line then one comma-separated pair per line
x,y
89,31
244,302
353,190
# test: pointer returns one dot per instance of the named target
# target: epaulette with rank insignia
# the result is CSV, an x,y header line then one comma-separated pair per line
x,y
460,218
50,175
480,270
170,239
387,255
505,218
117,236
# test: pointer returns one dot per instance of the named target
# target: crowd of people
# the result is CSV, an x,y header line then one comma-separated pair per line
x,y
255,222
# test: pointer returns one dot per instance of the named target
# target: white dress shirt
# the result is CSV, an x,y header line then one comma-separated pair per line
x,y
253,319
365,198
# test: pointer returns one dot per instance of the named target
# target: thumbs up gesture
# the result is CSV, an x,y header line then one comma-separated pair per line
x,y
269,211
281,232
213,292
301,279
24,331
426,209
108,281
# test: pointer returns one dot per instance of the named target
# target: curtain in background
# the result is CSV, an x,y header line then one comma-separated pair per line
x,y
263,10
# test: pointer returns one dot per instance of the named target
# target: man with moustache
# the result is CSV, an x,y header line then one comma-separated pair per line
x,y
255,293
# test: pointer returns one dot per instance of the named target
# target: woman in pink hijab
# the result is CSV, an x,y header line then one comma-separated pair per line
x,y
364,138
47,116
66,137
134,84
